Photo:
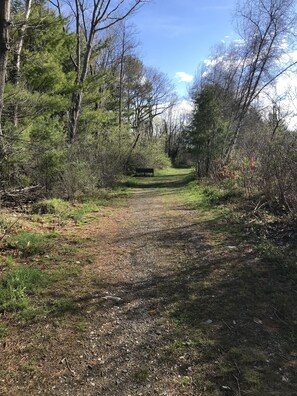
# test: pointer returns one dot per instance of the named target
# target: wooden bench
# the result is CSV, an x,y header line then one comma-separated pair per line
x,y
144,172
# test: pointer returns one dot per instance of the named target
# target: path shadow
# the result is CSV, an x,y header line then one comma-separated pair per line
x,y
221,316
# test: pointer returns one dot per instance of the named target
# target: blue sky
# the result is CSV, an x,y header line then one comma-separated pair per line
x,y
177,35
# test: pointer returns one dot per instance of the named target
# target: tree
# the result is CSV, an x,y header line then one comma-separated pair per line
x,y
247,67
16,74
207,129
91,19
264,26
4,47
149,93
174,125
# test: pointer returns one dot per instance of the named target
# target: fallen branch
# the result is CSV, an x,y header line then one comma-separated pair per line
x,y
238,385
20,196
65,360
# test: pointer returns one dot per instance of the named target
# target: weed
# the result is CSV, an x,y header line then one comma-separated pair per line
x,y
3,331
9,262
78,213
141,375
66,306
29,243
51,206
65,210
31,314
17,285
81,326
216,196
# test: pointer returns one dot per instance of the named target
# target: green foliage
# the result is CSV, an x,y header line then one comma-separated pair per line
x,y
51,206
215,195
39,99
3,331
30,243
149,154
208,128
16,285
45,74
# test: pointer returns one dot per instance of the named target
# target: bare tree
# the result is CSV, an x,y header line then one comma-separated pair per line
x,y
4,48
254,62
265,26
150,93
174,126
18,51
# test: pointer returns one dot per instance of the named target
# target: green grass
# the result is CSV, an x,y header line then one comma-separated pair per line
x,y
165,178
81,210
66,306
17,285
3,331
30,243
174,172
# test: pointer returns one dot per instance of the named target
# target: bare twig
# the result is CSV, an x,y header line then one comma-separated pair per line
x,y
65,360
229,327
238,385
278,317
8,228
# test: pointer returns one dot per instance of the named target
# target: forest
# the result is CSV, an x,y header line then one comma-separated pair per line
x,y
79,109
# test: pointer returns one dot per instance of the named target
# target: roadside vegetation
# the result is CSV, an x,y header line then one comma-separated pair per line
x,y
232,308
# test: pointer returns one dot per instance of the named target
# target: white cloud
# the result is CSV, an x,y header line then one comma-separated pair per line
x,y
184,77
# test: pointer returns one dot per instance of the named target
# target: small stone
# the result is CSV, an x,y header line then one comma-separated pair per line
x,y
258,321
112,298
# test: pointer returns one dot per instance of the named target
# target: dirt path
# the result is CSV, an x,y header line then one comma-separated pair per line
x,y
165,304
140,250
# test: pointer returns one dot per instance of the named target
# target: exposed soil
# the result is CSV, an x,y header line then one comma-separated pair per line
x,y
162,307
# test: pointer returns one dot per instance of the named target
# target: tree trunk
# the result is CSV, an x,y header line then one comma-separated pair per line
x,y
18,52
4,47
74,115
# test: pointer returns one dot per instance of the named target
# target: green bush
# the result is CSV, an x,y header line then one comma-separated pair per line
x,y
149,155
215,195
50,206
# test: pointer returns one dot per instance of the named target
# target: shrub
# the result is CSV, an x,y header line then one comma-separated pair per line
x,y
151,155
50,206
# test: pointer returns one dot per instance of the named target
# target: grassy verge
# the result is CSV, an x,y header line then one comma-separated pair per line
x,y
164,178
41,259
233,308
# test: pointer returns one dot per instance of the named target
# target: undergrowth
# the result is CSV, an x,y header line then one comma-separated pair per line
x,y
30,243
233,306
17,285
